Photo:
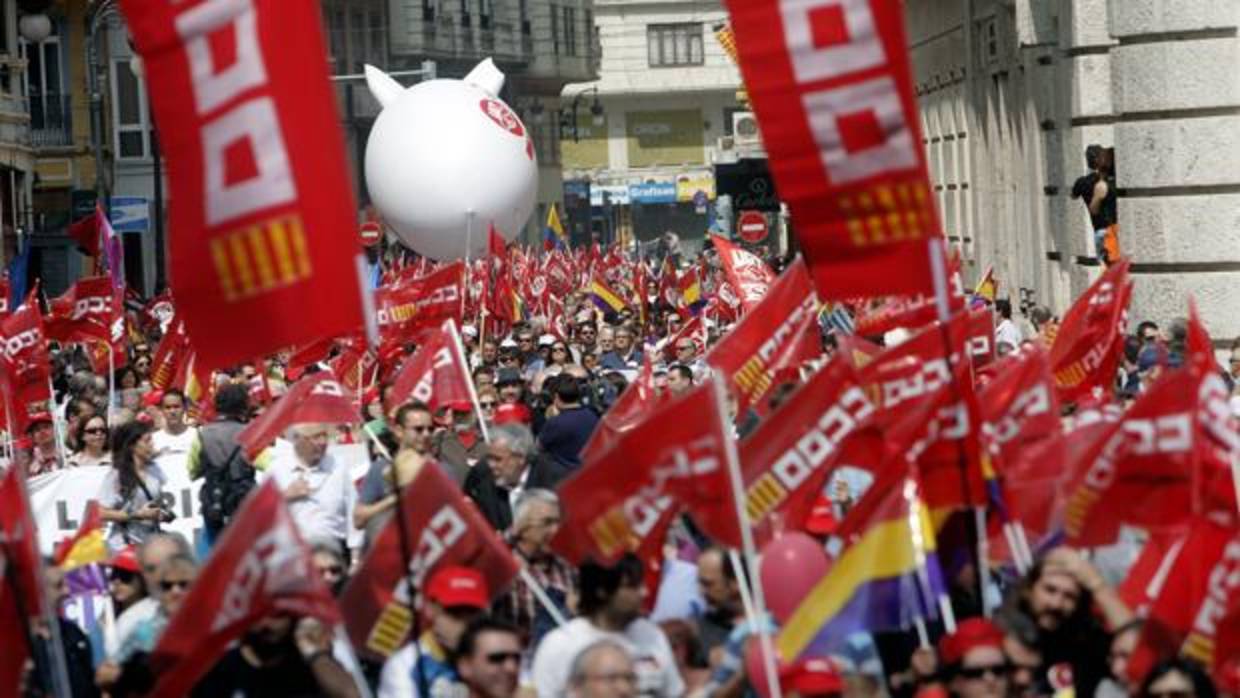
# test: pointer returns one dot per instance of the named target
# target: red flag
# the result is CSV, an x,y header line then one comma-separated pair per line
x,y
1019,406
21,576
85,232
1168,459
1192,600
257,174
748,274
436,374
409,307
258,567
90,311
917,388
634,405
315,399
443,528
1089,344
780,334
831,85
788,458
171,355
25,348
694,330
1200,348
619,499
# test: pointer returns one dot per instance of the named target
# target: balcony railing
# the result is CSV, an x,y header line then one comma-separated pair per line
x,y
51,122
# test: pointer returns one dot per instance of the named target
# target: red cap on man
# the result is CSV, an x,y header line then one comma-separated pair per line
x,y
454,586
970,635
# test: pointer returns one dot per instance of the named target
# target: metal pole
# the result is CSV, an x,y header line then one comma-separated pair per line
x,y
161,252
96,97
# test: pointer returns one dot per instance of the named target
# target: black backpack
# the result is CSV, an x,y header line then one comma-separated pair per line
x,y
228,476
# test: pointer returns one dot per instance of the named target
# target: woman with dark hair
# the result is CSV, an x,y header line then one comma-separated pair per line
x,y
1177,678
130,496
91,436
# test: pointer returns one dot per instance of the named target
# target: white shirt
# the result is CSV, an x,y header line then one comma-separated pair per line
x,y
325,513
172,451
128,621
651,653
1008,332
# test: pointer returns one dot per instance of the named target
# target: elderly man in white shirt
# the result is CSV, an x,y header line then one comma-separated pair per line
x,y
317,488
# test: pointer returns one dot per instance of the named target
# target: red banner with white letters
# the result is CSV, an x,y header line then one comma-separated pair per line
x,y
442,529
260,566
831,85
435,375
315,399
748,274
405,308
263,211
25,352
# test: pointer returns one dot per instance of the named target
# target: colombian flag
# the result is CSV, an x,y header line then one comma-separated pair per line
x,y
604,297
886,579
554,236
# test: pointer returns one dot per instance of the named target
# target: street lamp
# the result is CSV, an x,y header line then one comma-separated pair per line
x,y
34,28
569,122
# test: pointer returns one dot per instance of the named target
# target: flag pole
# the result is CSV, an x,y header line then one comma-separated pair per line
x,y
469,379
111,381
541,594
747,541
939,274
56,427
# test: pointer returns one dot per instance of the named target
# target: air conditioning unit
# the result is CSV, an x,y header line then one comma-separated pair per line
x,y
745,128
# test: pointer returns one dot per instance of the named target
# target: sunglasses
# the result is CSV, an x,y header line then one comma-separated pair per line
x,y
503,657
122,576
95,430
687,347
487,405
333,570
1170,694
170,584
562,350
420,429
976,672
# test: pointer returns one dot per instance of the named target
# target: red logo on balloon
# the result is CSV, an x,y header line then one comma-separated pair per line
x,y
502,115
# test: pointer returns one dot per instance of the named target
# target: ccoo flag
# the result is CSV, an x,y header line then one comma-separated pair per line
x,y
831,85
256,171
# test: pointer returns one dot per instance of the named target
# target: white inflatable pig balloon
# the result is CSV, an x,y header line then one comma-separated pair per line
x,y
447,158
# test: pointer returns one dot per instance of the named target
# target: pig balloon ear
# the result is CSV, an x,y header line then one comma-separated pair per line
x,y
382,86
486,77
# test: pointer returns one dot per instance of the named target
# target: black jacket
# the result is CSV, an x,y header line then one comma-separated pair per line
x,y
492,500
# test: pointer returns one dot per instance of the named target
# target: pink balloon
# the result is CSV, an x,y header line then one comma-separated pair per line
x,y
791,565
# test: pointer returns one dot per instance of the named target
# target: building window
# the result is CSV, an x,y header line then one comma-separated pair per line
x,y
570,31
524,13
336,41
465,13
45,85
555,30
377,50
129,113
674,44
357,41
484,14
428,10
589,23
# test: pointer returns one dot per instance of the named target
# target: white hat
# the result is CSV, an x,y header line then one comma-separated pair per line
x,y
469,331
507,344
546,340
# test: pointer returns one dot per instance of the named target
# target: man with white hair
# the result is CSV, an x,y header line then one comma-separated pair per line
x,y
536,520
318,491
512,466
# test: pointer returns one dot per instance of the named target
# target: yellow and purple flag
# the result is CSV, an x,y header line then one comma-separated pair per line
x,y
887,578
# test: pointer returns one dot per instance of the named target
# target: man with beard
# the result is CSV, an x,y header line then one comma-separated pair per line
x,y
1059,596
280,655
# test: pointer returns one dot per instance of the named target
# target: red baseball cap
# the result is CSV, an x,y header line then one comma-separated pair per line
x,y
461,406
153,398
458,586
813,676
970,634
510,413
38,418
821,520
126,559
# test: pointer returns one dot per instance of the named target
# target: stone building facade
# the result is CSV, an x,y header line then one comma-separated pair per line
x,y
1011,97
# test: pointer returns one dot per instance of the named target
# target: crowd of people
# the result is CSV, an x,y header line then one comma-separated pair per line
x,y
591,631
